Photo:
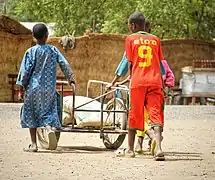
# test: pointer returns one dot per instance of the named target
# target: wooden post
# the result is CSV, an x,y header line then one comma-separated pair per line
x,y
193,100
13,90
185,100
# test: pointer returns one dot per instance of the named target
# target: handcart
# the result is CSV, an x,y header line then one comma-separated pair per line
x,y
113,134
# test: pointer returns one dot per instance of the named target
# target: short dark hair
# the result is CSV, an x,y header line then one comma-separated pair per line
x,y
40,30
137,18
147,23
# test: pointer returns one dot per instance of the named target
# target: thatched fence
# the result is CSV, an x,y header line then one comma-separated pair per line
x,y
97,56
94,57
14,40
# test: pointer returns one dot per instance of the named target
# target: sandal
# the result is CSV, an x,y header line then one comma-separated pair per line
x,y
138,150
159,157
52,140
30,149
125,153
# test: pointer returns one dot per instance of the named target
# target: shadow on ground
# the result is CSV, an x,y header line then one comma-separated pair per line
x,y
170,156
175,156
77,149
183,156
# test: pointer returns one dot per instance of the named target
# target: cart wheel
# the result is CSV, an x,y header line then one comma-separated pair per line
x,y
43,137
114,141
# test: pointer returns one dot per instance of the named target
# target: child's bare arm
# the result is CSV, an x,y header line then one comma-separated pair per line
x,y
124,81
121,71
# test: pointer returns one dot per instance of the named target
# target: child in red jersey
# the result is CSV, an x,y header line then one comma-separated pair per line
x,y
144,53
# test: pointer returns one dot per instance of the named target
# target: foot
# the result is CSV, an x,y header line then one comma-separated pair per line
x,y
153,147
52,140
31,148
125,153
139,148
53,128
159,156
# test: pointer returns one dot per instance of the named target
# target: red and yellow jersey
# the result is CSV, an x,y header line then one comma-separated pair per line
x,y
144,52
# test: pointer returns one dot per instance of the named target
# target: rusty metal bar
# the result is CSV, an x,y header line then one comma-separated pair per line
x,y
120,87
67,129
95,99
102,101
96,110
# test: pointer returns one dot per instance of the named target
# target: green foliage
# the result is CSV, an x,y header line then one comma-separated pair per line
x,y
169,18
116,16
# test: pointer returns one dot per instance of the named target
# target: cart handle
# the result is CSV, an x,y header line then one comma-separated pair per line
x,y
106,93
63,82
118,87
67,83
73,96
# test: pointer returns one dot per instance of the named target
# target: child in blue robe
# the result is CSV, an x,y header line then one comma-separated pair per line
x,y
37,75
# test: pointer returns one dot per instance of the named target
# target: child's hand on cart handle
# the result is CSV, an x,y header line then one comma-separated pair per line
x,y
109,86
165,93
71,80
113,83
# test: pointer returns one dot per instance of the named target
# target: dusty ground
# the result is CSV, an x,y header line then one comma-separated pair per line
x,y
189,145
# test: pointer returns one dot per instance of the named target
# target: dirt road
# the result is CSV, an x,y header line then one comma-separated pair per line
x,y
189,145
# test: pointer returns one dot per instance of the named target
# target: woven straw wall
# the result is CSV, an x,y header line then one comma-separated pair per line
x,y
94,57
14,40
97,56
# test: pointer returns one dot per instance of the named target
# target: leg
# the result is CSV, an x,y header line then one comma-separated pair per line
x,y
33,133
33,146
158,139
141,134
131,139
150,133
148,130
140,141
139,146
136,114
52,138
129,152
155,105
136,118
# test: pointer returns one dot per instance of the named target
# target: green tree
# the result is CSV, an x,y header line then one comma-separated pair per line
x,y
116,15
69,15
169,18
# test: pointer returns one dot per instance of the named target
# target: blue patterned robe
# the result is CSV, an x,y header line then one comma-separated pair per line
x,y
38,77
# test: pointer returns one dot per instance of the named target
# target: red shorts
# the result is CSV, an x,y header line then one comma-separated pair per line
x,y
150,97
